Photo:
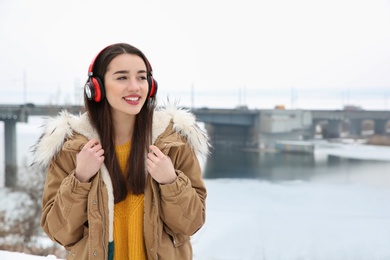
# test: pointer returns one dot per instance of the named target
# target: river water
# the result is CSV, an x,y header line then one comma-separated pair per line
x,y
280,167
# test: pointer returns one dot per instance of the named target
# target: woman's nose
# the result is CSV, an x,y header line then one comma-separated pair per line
x,y
133,84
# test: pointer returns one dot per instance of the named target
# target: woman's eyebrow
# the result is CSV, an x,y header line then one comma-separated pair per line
x,y
120,72
126,72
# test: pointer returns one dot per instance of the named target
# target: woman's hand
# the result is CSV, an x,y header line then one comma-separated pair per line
x,y
89,160
160,166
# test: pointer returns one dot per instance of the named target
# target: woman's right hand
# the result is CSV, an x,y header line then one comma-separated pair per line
x,y
89,160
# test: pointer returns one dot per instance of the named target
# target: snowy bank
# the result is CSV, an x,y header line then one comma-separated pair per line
x,y
4,255
251,219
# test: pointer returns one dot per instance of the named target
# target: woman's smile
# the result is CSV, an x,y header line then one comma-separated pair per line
x,y
132,99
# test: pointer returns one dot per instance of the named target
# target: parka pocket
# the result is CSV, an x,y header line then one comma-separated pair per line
x,y
177,239
80,249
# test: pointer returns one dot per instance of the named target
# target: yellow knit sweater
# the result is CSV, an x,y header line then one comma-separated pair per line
x,y
128,219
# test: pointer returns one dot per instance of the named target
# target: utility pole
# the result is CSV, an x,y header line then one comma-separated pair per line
x,y
77,92
293,98
24,86
239,97
244,96
192,96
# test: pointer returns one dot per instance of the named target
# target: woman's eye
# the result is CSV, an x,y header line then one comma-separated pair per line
x,y
142,78
122,78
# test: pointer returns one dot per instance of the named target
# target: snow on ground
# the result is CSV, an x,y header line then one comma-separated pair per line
x,y
4,255
252,219
249,219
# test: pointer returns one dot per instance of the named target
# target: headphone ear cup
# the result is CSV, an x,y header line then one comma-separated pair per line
x,y
100,87
89,89
94,89
152,86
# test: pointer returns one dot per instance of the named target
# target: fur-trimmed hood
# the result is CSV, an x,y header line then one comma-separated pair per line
x,y
65,124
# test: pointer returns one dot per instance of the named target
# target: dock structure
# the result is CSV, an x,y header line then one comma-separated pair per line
x,y
295,146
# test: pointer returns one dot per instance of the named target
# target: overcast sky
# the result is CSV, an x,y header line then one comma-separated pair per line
x,y
301,53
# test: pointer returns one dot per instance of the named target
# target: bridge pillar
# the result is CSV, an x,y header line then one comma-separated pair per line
x,y
10,152
228,135
380,126
355,127
333,129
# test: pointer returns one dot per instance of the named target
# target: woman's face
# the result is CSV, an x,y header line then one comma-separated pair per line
x,y
126,84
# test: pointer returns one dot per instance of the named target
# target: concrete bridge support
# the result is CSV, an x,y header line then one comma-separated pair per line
x,y
380,126
10,152
333,129
229,135
355,127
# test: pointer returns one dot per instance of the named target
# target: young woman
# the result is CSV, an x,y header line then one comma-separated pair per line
x,y
123,179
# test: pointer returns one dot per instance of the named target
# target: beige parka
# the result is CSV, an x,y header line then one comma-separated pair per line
x,y
79,216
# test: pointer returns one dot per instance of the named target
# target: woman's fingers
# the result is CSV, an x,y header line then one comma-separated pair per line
x,y
154,150
89,160
160,166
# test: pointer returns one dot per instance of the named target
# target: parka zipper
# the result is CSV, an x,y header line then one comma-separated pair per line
x,y
155,208
103,218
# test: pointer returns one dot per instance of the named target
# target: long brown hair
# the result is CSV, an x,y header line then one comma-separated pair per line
x,y
101,119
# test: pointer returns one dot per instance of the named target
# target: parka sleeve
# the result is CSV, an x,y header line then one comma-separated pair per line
x,y
183,202
64,201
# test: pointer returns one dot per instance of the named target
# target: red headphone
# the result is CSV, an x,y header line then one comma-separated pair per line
x,y
94,88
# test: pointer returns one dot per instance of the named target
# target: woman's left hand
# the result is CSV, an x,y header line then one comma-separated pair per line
x,y
160,166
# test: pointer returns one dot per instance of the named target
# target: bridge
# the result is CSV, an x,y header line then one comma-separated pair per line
x,y
261,128
241,127
12,114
